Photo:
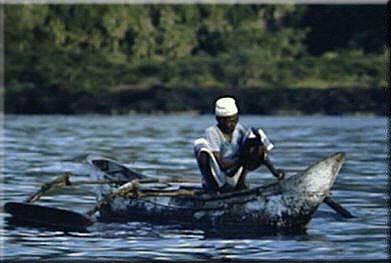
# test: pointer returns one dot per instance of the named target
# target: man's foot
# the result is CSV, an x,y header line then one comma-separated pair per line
x,y
226,188
212,193
241,186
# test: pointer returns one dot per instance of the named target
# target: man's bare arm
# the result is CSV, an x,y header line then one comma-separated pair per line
x,y
227,163
276,172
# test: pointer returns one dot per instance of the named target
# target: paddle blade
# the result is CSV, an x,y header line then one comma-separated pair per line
x,y
338,208
47,216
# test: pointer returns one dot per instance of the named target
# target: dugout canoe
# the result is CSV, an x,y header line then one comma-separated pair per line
x,y
287,204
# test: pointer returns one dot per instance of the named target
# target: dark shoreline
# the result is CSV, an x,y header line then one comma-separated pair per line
x,y
161,100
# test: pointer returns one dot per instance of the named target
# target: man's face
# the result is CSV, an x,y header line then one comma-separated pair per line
x,y
227,124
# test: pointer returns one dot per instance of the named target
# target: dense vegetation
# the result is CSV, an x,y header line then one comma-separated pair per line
x,y
85,58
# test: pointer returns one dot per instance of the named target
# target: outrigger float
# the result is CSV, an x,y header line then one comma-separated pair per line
x,y
126,195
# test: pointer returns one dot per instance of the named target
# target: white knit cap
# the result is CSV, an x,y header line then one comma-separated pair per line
x,y
225,107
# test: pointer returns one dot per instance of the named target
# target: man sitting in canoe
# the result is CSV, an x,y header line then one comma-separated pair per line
x,y
229,150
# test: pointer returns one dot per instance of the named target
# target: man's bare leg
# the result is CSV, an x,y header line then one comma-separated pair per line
x,y
203,161
241,185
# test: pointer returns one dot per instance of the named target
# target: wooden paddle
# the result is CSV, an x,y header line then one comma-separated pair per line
x,y
338,208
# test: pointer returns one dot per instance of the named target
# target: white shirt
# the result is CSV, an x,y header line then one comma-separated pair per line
x,y
218,143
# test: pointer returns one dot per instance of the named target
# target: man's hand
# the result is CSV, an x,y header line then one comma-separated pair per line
x,y
227,163
276,172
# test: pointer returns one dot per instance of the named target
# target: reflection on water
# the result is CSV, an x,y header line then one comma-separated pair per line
x,y
37,148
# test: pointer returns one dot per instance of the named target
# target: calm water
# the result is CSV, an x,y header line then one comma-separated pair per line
x,y
37,148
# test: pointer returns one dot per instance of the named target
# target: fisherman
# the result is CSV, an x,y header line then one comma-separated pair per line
x,y
229,150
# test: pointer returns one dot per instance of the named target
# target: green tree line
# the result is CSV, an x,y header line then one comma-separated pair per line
x,y
87,50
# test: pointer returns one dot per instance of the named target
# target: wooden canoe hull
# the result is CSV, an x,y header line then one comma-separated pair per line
x,y
286,204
